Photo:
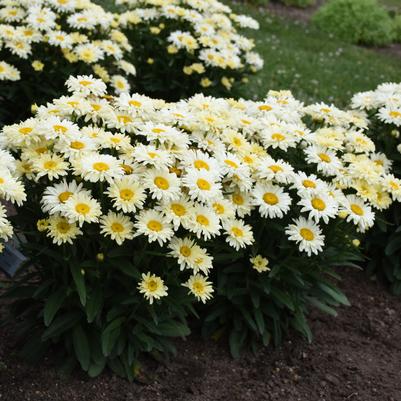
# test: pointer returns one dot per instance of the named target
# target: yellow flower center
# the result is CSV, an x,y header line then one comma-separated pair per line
x,y
231,163
158,130
2,180
307,234
100,166
357,209
127,169
124,119
161,183
270,198
135,103
218,208
77,145
25,130
198,287
152,285
264,107
64,196
318,204
63,227
117,227
308,184
202,220
278,137
324,157
238,199
82,208
60,128
178,209
185,251
155,225
237,232
50,165
395,114
275,168
126,194
203,184
85,83
200,164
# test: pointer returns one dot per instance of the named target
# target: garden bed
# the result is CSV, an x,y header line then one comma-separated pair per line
x,y
355,357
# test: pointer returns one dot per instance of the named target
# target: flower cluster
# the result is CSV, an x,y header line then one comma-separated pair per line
x,y
196,173
35,35
200,41
386,100
11,190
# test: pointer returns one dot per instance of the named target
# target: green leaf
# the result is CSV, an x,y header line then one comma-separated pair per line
x,y
393,246
110,335
174,329
53,304
335,293
260,321
60,325
236,341
322,306
81,347
79,281
94,304
283,298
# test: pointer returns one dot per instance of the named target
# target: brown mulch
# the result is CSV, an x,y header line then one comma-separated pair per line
x,y
354,357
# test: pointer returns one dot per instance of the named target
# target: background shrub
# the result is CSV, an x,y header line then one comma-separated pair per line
x,y
356,21
299,3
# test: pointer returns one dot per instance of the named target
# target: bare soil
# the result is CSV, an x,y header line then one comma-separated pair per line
x,y
354,357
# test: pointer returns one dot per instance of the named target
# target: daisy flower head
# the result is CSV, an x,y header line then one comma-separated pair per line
x,y
202,185
260,264
86,85
50,165
62,231
154,226
127,194
271,199
390,115
96,167
178,211
305,183
149,155
184,250
326,160
358,212
278,171
116,226
162,184
152,287
319,205
55,196
82,208
204,223
199,287
239,234
307,235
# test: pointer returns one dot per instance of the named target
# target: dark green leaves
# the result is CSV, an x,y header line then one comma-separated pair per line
x,y
53,304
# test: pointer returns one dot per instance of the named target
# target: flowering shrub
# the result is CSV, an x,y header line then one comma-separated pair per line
x,y
357,21
383,106
182,47
45,41
138,208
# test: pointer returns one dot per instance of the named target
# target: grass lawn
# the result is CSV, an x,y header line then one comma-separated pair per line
x,y
312,64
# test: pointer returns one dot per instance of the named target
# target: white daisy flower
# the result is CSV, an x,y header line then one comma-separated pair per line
x,y
271,199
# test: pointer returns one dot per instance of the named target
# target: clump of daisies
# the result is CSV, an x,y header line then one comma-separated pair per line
x,y
43,42
199,46
11,191
241,205
382,107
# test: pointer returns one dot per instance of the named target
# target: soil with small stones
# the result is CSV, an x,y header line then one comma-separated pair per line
x,y
355,356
